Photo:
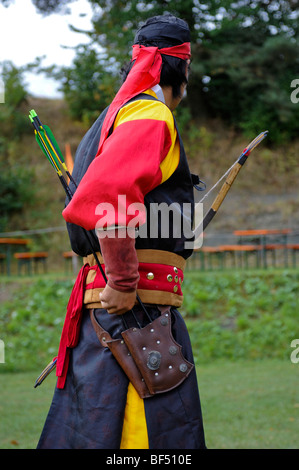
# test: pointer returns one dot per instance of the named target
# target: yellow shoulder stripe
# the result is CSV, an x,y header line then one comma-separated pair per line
x,y
155,110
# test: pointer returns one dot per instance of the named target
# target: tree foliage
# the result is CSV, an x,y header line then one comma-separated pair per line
x,y
88,85
246,66
245,55
12,120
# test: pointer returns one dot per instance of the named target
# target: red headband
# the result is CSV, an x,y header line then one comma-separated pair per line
x,y
182,51
144,75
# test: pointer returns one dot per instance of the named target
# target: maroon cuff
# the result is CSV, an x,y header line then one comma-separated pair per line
x,y
121,262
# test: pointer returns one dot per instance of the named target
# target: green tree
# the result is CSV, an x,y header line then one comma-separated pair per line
x,y
15,192
244,64
115,21
245,55
89,84
12,120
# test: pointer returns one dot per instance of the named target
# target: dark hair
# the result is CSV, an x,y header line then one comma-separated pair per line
x,y
173,73
165,31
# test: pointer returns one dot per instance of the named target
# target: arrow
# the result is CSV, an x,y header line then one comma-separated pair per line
x,y
45,135
49,146
47,370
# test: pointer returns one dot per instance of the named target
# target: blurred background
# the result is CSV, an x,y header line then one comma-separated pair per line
x,y
63,59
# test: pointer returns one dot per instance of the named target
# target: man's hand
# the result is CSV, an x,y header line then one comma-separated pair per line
x,y
117,302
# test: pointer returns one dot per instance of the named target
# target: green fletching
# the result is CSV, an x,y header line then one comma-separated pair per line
x,y
32,113
47,142
47,152
53,141
43,137
43,149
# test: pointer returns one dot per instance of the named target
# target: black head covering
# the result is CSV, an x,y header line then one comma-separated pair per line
x,y
163,31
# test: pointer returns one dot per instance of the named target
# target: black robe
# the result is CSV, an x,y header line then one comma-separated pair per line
x,y
88,413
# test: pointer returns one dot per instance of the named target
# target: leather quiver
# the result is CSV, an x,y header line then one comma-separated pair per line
x,y
157,355
149,356
122,355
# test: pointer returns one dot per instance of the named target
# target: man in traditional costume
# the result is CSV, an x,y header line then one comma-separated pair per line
x,y
132,156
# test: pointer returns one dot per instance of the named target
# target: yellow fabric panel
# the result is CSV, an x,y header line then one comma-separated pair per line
x,y
134,434
156,110
171,161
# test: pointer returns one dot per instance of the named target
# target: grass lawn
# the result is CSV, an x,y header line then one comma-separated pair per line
x,y
241,325
250,405
246,404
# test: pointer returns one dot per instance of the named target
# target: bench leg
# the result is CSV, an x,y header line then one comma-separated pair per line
x,y
294,258
68,265
36,263
202,261
27,265
286,258
2,263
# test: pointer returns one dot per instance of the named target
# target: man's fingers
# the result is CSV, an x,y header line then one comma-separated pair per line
x,y
117,302
105,300
109,305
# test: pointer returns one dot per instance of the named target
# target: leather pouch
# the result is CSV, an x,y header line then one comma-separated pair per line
x,y
149,356
157,355
122,355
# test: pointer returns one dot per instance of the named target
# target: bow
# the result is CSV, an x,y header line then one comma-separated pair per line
x,y
230,175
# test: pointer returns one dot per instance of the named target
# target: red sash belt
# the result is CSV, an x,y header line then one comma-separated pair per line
x,y
71,328
153,276
160,277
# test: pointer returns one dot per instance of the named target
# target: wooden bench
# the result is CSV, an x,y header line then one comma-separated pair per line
x,y
11,245
263,243
202,255
29,260
293,248
242,252
70,260
270,240
206,254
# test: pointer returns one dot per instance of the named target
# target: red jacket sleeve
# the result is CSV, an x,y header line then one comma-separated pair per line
x,y
119,178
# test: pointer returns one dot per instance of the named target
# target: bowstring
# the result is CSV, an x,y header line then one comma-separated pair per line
x,y
219,181
250,147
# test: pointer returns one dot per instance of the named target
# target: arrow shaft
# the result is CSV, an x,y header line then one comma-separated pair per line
x,y
53,155
54,148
